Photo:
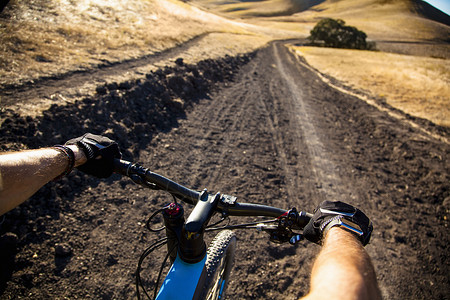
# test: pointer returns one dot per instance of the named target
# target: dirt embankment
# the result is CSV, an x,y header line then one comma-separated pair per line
x,y
131,113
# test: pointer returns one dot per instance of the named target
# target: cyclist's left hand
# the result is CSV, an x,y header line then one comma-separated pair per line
x,y
100,152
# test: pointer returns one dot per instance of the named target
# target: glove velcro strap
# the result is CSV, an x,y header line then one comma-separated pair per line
x,y
342,222
70,156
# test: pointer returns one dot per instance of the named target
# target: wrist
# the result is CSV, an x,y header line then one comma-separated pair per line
x,y
80,157
338,234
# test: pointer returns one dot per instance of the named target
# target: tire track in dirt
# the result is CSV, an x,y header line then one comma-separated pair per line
x,y
220,125
322,165
211,140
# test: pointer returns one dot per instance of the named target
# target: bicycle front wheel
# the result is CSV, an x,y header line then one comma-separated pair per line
x,y
219,264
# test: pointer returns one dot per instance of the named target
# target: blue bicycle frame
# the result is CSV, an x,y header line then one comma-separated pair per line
x,y
182,280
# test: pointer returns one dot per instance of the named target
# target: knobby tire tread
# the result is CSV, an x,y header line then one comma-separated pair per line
x,y
222,247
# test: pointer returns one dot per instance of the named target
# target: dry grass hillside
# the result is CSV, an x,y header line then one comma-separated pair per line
x,y
251,9
52,37
419,86
383,20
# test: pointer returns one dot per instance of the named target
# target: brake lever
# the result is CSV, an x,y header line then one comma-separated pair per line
x,y
280,234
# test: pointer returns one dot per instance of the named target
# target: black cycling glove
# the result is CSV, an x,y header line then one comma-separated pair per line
x,y
330,214
100,152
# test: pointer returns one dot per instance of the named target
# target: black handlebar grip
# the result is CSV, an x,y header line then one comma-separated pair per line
x,y
303,219
121,166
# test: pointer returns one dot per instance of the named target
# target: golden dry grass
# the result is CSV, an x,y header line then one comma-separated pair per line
x,y
380,19
245,9
68,35
419,86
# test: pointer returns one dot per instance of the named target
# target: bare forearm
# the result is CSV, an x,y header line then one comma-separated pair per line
x,y
343,269
23,173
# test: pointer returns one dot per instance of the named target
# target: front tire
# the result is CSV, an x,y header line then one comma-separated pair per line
x,y
218,264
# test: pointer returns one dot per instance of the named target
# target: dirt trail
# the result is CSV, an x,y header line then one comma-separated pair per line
x,y
271,132
280,135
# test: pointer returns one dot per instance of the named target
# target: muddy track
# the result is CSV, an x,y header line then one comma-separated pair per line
x,y
272,133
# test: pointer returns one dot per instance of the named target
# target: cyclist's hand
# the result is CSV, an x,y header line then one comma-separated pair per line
x,y
100,152
330,214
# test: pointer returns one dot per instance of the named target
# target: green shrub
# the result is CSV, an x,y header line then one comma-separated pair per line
x,y
333,33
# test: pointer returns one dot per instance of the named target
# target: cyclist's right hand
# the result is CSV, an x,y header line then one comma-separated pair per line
x,y
329,214
100,152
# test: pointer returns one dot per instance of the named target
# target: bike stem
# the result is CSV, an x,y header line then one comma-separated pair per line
x,y
190,234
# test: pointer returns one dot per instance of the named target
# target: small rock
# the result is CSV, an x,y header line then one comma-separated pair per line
x,y
63,250
179,61
111,260
126,85
8,242
40,58
101,90
446,203
112,86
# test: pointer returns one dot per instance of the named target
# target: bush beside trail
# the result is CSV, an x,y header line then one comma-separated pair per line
x,y
335,34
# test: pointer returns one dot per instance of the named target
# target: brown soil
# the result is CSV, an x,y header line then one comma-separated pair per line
x,y
261,127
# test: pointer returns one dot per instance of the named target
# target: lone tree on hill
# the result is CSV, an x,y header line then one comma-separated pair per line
x,y
333,33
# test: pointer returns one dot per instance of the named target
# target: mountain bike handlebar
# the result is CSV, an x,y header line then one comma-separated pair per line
x,y
155,181
185,242
226,205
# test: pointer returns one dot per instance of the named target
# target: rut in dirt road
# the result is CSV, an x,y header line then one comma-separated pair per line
x,y
323,167
280,135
